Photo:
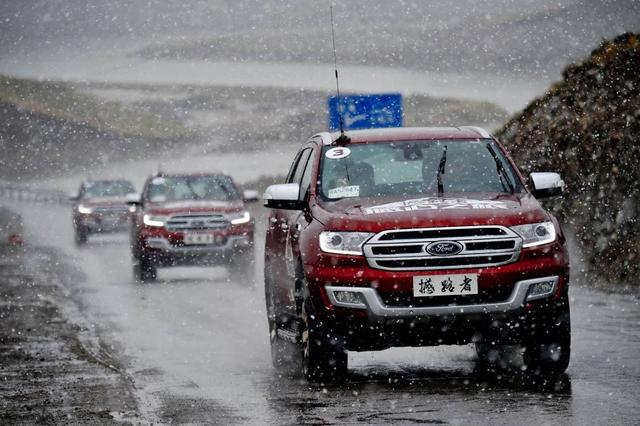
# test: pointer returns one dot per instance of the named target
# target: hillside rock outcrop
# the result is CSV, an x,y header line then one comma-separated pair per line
x,y
588,128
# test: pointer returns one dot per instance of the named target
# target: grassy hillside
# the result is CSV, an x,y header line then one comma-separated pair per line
x,y
587,127
63,101
50,127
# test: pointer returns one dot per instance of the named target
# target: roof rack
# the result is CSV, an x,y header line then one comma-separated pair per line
x,y
325,136
477,129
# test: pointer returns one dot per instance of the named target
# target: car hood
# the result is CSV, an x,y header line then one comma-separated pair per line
x,y
104,201
377,214
195,206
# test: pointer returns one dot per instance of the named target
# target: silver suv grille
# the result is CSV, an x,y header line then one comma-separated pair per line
x,y
405,249
111,210
196,222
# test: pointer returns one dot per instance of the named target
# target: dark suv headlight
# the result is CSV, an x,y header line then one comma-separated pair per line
x,y
82,209
239,218
154,220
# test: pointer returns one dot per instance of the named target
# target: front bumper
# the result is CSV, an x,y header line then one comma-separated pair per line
x,y
164,253
368,299
372,325
103,223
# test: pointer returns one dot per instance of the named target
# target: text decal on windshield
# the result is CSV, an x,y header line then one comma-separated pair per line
x,y
434,203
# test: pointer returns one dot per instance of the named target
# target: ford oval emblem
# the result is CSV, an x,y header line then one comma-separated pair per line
x,y
444,248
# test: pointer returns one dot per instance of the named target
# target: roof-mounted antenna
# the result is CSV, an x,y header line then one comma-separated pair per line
x,y
343,139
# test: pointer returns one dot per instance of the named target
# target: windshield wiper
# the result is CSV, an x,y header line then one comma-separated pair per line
x,y
504,177
441,170
193,192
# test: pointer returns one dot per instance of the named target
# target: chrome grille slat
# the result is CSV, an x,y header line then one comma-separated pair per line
x,y
440,233
110,210
196,222
405,249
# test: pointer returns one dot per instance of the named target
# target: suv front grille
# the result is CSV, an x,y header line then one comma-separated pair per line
x,y
196,222
111,210
405,249
440,233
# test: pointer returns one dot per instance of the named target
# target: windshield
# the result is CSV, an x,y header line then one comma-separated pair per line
x,y
107,189
182,188
416,167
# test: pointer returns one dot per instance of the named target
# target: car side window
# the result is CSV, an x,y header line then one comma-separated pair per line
x,y
305,182
300,166
145,192
294,167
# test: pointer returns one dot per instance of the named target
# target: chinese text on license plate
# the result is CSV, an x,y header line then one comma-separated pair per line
x,y
196,239
445,285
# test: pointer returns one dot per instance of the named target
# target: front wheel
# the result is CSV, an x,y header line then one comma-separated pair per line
x,y
324,358
284,354
81,235
144,270
547,350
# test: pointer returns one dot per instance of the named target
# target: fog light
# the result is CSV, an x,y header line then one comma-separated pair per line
x,y
351,298
541,289
156,243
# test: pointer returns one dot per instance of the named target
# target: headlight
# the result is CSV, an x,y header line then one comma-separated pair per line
x,y
239,218
84,209
151,220
343,242
536,234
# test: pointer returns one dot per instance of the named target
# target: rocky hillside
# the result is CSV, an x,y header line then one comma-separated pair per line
x,y
588,127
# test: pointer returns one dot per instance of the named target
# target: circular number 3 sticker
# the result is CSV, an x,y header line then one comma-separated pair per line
x,y
338,152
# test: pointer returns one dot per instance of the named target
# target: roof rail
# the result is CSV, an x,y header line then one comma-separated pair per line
x,y
325,136
479,130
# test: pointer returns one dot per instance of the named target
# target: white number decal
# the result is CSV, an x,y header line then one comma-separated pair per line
x,y
339,152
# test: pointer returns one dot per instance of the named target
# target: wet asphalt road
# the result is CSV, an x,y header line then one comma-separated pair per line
x,y
195,345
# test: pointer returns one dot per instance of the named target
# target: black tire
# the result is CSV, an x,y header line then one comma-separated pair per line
x,y
144,270
488,354
81,235
324,357
547,351
284,354
497,357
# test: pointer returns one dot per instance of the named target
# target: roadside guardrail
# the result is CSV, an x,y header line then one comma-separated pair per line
x,y
25,192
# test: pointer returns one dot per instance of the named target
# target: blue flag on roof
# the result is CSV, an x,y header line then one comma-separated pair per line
x,y
368,111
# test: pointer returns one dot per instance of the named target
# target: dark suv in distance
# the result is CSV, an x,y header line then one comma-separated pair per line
x,y
192,219
100,206
414,237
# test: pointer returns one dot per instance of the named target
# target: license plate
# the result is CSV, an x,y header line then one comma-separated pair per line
x,y
445,285
198,239
110,221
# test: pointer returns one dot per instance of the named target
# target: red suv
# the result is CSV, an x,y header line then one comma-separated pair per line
x,y
100,206
414,237
191,219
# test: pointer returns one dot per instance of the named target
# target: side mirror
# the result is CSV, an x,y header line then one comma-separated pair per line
x,y
546,184
283,196
249,196
134,199
73,196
